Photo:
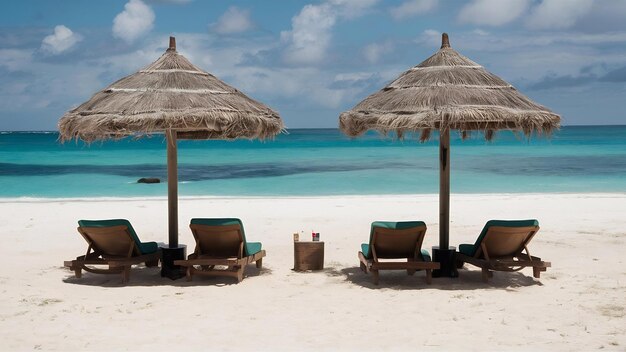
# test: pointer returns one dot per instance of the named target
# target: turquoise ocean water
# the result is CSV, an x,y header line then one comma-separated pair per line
x,y
315,162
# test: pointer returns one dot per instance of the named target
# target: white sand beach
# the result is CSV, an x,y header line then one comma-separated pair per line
x,y
578,304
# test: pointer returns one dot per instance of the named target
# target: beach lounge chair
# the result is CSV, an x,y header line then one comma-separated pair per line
x,y
396,240
115,244
221,243
500,247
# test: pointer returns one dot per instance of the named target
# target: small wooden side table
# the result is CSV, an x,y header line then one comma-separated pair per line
x,y
308,255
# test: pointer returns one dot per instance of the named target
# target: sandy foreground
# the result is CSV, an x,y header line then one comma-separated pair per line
x,y
578,304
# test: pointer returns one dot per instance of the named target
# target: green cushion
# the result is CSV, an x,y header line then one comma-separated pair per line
x,y
470,249
365,248
467,249
253,248
250,248
398,225
144,247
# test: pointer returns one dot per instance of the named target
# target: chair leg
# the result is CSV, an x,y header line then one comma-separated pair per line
x,y
190,273
240,274
363,267
486,275
126,274
259,263
410,272
459,264
536,272
375,278
429,276
78,271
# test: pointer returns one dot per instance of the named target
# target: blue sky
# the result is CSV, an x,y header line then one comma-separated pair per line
x,y
311,60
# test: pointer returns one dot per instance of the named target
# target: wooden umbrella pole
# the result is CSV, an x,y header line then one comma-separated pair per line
x,y
444,188
444,254
172,187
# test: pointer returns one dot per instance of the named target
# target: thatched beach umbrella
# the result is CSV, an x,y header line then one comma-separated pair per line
x,y
174,97
447,91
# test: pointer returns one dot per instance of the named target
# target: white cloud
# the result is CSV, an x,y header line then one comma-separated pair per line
x,y
374,51
493,12
480,32
303,91
352,8
62,40
15,59
173,2
429,38
604,16
136,20
558,13
294,89
310,35
412,8
311,29
520,58
234,20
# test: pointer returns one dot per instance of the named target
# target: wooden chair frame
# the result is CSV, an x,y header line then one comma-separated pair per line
x,y
117,252
393,243
205,263
502,249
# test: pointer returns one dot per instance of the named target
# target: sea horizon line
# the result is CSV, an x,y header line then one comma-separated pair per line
x,y
298,128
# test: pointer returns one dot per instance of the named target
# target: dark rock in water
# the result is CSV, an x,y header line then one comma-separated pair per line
x,y
149,180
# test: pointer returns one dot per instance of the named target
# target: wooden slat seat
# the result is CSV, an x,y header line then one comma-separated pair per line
x,y
113,247
221,243
396,240
503,246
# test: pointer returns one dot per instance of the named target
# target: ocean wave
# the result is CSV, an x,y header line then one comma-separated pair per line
x,y
194,172
29,132
315,162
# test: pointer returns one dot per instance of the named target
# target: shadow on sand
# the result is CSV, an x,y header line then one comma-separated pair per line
x,y
393,279
143,276
467,280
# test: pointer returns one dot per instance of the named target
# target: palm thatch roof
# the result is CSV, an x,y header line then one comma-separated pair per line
x,y
448,90
170,93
